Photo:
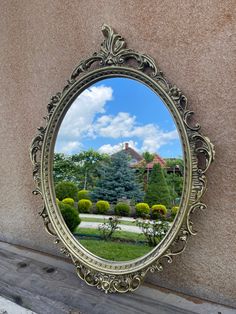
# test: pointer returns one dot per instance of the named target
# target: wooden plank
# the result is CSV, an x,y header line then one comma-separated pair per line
x,y
48,284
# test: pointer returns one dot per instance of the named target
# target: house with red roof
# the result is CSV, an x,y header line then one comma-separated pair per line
x,y
137,161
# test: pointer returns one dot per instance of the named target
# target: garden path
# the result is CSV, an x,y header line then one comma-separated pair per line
x,y
94,225
105,217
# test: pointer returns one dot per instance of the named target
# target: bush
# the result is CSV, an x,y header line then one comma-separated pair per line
x,y
142,209
69,201
102,207
174,210
70,216
154,231
66,189
158,211
57,200
108,228
84,206
83,195
122,209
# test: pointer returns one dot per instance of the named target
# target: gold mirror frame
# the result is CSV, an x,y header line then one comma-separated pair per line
x,y
115,60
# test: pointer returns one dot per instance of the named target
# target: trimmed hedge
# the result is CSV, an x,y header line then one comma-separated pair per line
x,y
70,216
84,206
83,195
66,189
122,209
102,207
158,211
142,209
174,210
69,201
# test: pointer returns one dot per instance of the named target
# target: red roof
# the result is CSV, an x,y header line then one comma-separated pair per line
x,y
141,161
156,160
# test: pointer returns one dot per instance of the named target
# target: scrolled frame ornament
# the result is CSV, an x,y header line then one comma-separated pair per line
x,y
113,60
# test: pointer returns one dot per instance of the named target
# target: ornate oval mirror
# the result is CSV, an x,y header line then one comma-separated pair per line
x,y
120,167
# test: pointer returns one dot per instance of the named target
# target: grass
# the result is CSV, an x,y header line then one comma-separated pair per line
x,y
115,251
123,235
101,220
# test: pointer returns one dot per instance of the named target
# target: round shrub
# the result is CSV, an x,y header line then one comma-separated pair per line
x,y
69,201
70,216
57,200
174,210
83,195
84,206
158,211
142,209
122,209
66,189
102,207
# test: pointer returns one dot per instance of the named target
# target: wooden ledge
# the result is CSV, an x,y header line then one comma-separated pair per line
x,y
48,284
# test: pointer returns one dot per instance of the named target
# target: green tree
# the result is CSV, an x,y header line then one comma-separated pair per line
x,y
175,183
174,178
66,189
175,163
88,162
158,190
64,169
117,180
148,157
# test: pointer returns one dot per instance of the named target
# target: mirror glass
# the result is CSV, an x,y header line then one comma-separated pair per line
x,y
118,169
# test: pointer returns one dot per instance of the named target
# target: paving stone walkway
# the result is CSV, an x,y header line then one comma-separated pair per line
x,y
94,225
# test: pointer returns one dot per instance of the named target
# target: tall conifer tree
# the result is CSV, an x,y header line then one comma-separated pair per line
x,y
117,180
157,190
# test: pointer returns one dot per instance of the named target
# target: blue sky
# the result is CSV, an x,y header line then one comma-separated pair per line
x,y
118,110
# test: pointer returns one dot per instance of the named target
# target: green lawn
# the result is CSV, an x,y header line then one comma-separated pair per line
x,y
101,220
115,251
123,235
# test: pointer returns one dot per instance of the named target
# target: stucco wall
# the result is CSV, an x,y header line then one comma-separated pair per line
x,y
193,42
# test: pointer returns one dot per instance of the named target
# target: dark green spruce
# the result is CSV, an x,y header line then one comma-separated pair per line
x,y
117,180
158,191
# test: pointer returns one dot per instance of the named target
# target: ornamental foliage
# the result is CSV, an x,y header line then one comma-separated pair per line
x,y
66,190
142,209
122,209
69,201
158,190
70,216
84,206
102,207
117,180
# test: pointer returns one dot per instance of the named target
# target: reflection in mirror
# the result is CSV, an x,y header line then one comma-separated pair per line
x,y
118,169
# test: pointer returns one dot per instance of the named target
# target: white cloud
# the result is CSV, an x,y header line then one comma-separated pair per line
x,y
80,122
79,118
69,147
123,125
111,149
83,110
117,126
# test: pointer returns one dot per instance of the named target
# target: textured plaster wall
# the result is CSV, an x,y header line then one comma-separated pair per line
x,y
193,43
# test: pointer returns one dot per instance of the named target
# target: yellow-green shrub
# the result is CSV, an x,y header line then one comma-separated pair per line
x,y
84,206
102,207
174,210
142,209
158,210
122,209
69,201
83,195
